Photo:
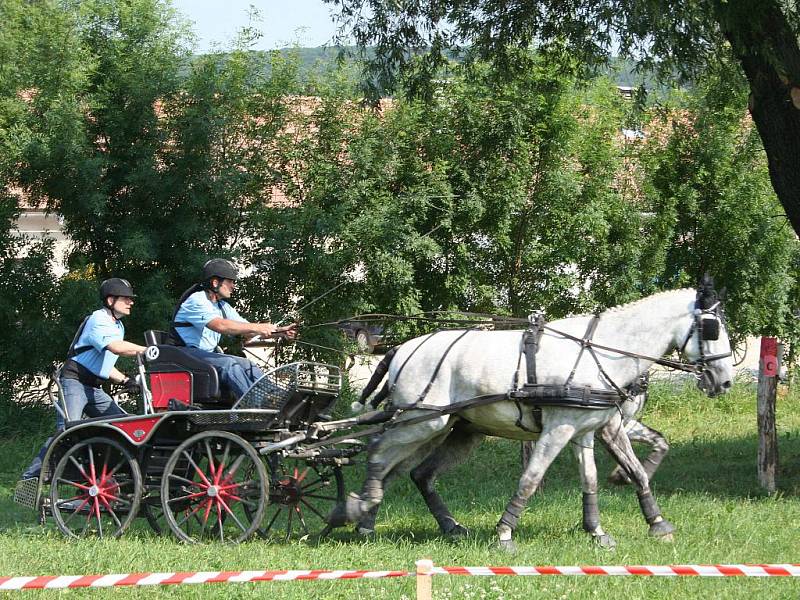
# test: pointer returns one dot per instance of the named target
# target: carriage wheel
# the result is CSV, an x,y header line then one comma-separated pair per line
x,y
154,513
96,489
739,351
153,463
301,494
214,487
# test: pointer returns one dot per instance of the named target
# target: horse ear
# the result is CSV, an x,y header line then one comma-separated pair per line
x,y
706,294
723,293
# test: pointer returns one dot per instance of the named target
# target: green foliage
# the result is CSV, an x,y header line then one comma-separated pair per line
x,y
713,209
494,194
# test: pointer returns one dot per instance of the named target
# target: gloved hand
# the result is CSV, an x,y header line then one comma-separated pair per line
x,y
131,386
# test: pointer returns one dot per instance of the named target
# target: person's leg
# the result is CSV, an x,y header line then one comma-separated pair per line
x,y
236,374
75,400
101,404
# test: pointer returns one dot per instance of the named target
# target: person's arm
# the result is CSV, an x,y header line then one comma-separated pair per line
x,y
230,327
117,376
123,348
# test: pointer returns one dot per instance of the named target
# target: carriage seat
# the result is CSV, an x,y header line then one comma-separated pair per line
x,y
176,375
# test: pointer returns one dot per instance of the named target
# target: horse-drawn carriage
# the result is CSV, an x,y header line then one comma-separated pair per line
x,y
194,462
206,469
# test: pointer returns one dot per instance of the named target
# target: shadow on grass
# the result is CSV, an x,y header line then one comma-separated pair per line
x,y
721,468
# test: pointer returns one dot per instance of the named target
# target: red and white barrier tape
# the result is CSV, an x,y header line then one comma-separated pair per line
x,y
141,579
646,570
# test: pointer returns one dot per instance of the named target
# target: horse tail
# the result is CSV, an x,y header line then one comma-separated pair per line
x,y
377,377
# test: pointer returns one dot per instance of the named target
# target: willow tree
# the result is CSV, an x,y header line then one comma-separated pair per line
x,y
674,37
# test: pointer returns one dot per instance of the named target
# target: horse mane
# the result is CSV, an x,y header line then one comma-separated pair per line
x,y
634,303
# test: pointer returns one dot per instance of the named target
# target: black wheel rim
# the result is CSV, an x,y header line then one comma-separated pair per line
x,y
214,488
302,493
95,490
739,352
153,464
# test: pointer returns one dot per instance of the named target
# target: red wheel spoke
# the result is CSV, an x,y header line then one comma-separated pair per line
x,y
232,471
211,467
96,510
196,468
219,523
302,520
224,460
79,467
186,497
233,516
300,478
202,486
318,497
312,508
190,513
111,512
74,484
93,473
77,510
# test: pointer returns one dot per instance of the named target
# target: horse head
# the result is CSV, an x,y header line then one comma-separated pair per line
x,y
706,344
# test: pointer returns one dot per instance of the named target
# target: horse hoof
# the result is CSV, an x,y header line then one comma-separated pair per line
x,y
507,546
457,531
605,541
365,532
345,512
617,477
662,530
337,517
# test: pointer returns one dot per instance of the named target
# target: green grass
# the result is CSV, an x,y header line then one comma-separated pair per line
x,y
707,487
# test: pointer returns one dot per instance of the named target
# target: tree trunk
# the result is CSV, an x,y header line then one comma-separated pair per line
x,y
765,45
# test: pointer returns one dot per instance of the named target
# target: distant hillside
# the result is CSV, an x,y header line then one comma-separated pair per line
x,y
322,58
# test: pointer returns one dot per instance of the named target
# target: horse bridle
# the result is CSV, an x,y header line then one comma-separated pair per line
x,y
699,367
706,323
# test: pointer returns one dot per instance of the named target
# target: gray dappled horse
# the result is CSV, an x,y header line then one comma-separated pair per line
x,y
453,366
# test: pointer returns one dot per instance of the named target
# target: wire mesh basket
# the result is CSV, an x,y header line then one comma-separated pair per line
x,y
278,386
272,390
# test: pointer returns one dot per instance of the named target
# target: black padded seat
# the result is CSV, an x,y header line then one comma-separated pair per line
x,y
175,359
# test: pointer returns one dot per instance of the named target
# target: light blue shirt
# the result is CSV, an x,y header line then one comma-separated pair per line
x,y
198,310
100,330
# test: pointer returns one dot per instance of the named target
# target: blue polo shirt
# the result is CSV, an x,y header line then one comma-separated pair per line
x,y
198,310
100,330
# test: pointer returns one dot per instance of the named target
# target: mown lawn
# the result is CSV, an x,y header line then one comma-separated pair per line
x,y
706,487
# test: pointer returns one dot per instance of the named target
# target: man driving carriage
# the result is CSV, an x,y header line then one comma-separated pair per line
x,y
90,362
204,315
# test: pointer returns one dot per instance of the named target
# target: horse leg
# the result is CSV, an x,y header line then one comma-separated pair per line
x,y
366,524
641,433
452,452
551,442
385,452
583,447
617,443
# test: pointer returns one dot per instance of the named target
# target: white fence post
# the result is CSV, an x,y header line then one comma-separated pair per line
x,y
424,584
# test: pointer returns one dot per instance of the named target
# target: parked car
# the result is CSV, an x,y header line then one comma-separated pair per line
x,y
368,335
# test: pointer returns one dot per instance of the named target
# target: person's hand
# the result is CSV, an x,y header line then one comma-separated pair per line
x,y
131,386
265,330
289,332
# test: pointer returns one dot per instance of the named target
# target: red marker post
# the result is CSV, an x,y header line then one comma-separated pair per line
x,y
768,371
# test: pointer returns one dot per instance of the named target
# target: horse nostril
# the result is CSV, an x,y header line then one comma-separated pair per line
x,y
726,385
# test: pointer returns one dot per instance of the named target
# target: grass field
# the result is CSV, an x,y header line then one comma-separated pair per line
x,y
706,487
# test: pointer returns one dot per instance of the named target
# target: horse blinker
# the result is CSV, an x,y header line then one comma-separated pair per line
x,y
710,329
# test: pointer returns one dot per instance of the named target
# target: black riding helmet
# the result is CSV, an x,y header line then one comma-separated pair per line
x,y
220,268
116,287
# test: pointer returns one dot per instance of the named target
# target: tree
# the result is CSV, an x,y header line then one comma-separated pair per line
x,y
41,67
706,186
674,37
